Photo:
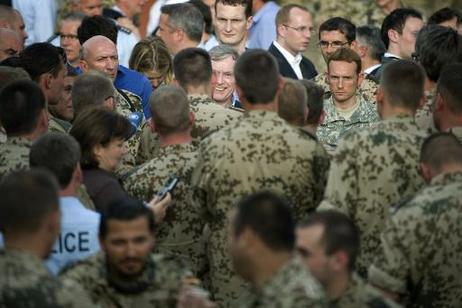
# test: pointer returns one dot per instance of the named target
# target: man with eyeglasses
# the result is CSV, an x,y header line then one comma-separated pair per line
x,y
68,38
336,33
294,26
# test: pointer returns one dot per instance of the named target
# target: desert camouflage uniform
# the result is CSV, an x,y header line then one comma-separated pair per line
x,y
84,198
149,145
26,282
353,10
158,285
373,169
291,287
375,15
14,155
334,126
2,135
261,151
420,248
424,115
56,125
359,294
180,232
368,88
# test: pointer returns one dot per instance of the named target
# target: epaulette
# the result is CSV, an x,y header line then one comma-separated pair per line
x,y
124,29
237,109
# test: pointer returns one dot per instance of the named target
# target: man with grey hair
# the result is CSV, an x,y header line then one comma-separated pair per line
x,y
180,26
370,48
292,105
223,83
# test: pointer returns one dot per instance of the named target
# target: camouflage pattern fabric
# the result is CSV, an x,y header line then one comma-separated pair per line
x,y
419,255
291,287
158,285
26,282
373,169
335,126
424,115
2,135
180,234
14,155
84,198
149,145
353,10
56,125
261,151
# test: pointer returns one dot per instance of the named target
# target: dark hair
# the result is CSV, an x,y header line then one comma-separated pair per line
x,y
441,149
370,36
396,21
64,159
257,75
41,58
450,86
126,209
270,217
403,83
91,89
442,15
346,55
245,3
340,24
205,11
9,74
187,17
21,103
292,102
339,234
14,61
437,46
98,126
97,25
192,66
27,198
315,101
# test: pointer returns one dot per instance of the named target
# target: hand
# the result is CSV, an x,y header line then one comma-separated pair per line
x,y
159,207
194,298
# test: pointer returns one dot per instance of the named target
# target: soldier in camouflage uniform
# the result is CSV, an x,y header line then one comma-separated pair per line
x,y
154,280
346,109
25,281
419,257
260,151
261,245
181,231
329,235
376,167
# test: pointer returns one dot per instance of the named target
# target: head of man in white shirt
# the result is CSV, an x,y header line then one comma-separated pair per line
x,y
369,47
100,54
233,21
12,19
68,38
88,7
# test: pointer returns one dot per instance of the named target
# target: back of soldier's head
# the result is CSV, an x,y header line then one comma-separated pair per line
x,y
314,100
370,36
64,159
441,150
396,20
450,87
403,84
9,74
292,102
91,89
41,58
257,75
341,25
21,103
28,197
192,67
339,234
437,46
269,217
97,25
170,110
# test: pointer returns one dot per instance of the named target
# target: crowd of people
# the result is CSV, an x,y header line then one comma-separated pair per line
x,y
197,157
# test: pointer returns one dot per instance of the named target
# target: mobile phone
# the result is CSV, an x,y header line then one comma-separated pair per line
x,y
168,188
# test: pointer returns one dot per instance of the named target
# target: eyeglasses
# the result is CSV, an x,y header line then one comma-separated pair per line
x,y
334,44
301,29
68,36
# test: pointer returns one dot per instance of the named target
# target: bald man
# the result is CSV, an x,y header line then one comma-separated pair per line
x,y
10,44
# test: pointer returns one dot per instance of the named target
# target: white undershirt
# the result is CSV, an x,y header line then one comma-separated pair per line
x,y
293,61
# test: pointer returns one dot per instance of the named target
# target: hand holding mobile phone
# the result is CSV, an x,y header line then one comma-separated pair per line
x,y
168,188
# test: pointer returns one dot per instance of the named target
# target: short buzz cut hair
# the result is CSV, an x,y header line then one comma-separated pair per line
x,y
283,15
315,101
270,217
91,89
192,67
449,87
64,159
41,58
340,24
170,109
187,17
339,234
247,4
441,149
292,102
9,74
345,54
403,83
28,196
396,21
257,75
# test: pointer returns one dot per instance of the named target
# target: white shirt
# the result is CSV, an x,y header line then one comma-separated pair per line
x,y
390,55
367,71
293,61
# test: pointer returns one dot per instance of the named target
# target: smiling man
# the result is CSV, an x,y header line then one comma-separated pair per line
x,y
223,83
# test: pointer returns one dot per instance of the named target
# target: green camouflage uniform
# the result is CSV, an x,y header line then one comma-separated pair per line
x,y
2,135
335,126
360,294
26,282
14,155
420,248
290,287
373,169
368,88
158,286
180,232
424,115
261,151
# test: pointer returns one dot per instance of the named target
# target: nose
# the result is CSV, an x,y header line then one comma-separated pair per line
x,y
330,49
220,78
340,82
228,26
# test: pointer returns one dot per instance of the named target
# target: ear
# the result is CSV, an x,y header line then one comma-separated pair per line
x,y
192,119
426,172
393,35
439,103
281,30
97,150
339,261
360,78
249,22
361,50
322,117
354,45
109,103
83,65
152,125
